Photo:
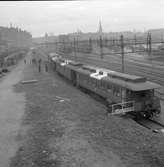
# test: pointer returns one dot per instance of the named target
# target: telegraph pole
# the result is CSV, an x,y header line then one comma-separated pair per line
x,y
149,45
161,38
122,51
122,58
90,43
77,45
101,47
63,46
135,40
74,46
149,50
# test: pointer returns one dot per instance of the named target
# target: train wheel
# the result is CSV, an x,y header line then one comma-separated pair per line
x,y
149,114
157,112
137,117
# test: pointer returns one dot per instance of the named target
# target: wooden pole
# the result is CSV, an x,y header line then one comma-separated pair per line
x,y
74,46
122,58
101,48
122,51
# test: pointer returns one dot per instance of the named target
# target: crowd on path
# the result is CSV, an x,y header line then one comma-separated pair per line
x,y
38,63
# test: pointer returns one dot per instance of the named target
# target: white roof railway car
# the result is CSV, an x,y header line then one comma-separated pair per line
x,y
123,92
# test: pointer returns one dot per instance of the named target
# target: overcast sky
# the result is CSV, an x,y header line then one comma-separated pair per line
x,y
67,16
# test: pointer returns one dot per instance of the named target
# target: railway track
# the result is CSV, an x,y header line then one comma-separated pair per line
x,y
153,125
154,76
130,66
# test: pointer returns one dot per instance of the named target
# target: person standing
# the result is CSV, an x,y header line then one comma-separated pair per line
x,y
46,67
39,65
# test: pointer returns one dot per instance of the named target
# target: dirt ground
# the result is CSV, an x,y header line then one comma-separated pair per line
x,y
12,106
64,127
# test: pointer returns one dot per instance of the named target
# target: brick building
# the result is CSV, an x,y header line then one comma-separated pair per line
x,y
14,37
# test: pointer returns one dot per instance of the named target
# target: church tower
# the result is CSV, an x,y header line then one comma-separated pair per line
x,y
100,31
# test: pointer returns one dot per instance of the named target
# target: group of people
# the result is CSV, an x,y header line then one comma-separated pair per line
x,y
39,63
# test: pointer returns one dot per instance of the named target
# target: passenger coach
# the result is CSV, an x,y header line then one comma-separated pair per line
x,y
123,92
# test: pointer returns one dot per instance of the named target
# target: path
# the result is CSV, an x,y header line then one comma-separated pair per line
x,y
11,110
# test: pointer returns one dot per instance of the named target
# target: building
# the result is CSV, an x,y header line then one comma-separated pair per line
x,y
15,37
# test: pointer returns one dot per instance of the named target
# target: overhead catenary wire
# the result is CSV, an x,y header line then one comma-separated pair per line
x,y
78,45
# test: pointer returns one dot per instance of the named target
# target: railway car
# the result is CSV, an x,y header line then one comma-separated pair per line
x,y
123,92
68,69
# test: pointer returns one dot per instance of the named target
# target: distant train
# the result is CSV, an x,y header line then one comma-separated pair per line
x,y
123,92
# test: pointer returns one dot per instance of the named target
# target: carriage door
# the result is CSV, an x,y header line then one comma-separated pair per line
x,y
73,77
123,94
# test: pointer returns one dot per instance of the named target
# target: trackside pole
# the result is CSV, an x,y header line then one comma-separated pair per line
x,y
122,58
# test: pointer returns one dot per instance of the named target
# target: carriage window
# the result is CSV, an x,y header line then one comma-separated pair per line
x,y
149,93
101,84
98,83
152,92
143,93
116,91
81,77
140,94
93,82
129,92
89,80
109,88
104,85
85,79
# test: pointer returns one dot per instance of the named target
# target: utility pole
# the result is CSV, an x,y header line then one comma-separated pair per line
x,y
46,42
101,47
122,51
122,58
113,42
135,40
56,47
149,50
63,46
161,38
90,43
150,45
74,46
77,45
149,41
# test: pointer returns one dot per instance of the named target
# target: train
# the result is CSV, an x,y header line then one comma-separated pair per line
x,y
124,93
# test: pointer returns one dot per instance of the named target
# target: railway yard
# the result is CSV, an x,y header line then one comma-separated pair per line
x,y
74,93
136,65
55,126
59,129
140,65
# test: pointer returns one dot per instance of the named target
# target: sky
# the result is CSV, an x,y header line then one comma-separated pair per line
x,y
61,17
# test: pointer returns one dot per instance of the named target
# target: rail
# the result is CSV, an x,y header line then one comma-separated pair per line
x,y
153,125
